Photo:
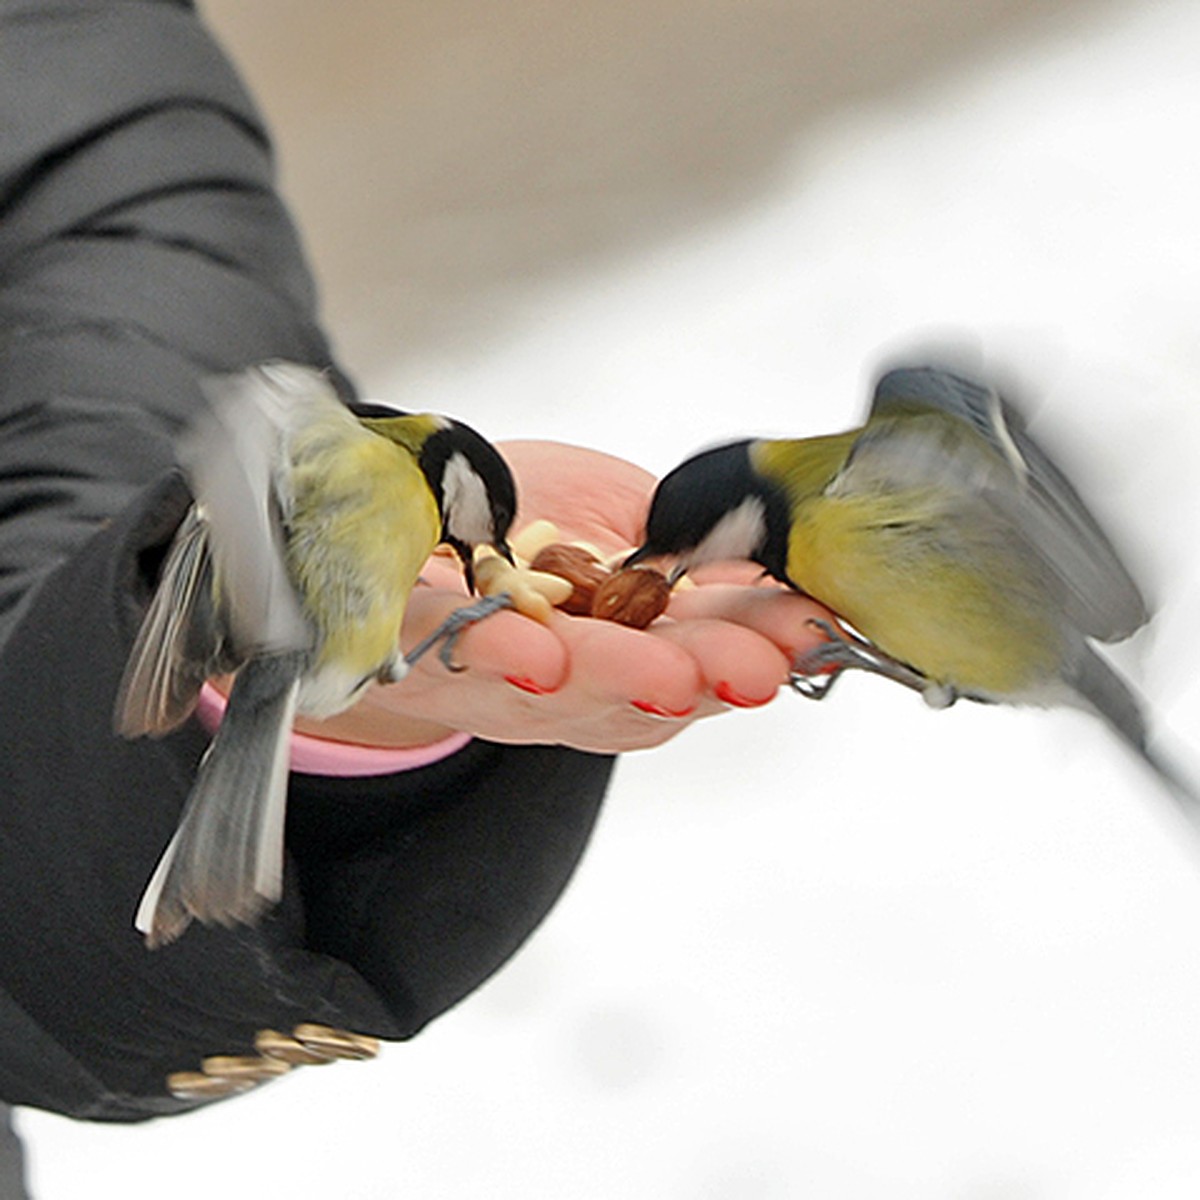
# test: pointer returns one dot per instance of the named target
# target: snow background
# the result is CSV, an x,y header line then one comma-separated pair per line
x,y
861,949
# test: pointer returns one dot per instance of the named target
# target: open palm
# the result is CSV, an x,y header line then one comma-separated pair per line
x,y
581,682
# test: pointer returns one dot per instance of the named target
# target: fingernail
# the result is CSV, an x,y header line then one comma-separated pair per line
x,y
528,685
657,710
730,695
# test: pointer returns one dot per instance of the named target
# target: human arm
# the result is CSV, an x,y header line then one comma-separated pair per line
x,y
144,246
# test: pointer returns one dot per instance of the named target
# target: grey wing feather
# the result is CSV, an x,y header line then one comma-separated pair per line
x,y
905,388
1099,596
1104,601
236,464
235,461
225,863
178,645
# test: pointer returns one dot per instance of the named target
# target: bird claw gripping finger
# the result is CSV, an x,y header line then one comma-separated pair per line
x,y
815,671
501,585
446,635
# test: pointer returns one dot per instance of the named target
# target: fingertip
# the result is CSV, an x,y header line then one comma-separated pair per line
x,y
740,667
653,709
727,693
526,683
629,666
524,653
782,617
503,645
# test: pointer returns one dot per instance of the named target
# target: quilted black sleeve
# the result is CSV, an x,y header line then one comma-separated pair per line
x,y
142,246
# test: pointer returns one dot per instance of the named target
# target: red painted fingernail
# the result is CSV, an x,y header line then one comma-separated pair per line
x,y
657,710
730,695
528,685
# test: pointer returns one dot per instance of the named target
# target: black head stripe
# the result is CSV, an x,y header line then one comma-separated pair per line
x,y
483,459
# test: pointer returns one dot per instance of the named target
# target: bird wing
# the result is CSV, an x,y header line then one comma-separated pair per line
x,y
1005,469
179,644
236,462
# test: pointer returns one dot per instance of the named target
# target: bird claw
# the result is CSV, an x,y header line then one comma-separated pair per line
x,y
813,687
815,671
446,635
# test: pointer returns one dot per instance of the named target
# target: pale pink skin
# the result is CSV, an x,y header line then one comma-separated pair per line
x,y
582,682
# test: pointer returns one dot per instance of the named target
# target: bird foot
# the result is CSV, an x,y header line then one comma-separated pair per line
x,y
815,671
446,635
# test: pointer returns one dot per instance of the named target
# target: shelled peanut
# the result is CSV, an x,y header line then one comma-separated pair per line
x,y
572,577
533,593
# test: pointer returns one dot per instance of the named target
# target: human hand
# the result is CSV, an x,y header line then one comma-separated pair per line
x,y
580,682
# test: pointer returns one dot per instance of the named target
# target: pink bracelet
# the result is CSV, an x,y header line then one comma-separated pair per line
x,y
321,756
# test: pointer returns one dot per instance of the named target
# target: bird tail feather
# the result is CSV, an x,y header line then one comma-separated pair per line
x,y
225,863
1106,693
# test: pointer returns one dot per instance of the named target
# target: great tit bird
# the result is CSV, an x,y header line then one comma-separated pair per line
x,y
961,558
293,569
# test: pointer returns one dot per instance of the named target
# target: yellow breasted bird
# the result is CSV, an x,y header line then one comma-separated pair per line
x,y
939,532
293,568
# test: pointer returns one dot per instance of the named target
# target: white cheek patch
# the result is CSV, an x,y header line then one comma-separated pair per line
x,y
465,507
736,535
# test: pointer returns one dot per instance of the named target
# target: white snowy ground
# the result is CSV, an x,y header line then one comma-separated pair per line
x,y
859,950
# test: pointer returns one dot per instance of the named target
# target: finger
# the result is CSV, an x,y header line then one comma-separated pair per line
x,y
784,618
628,667
504,645
740,666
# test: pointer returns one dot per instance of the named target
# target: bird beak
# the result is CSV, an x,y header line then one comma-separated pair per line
x,y
642,553
503,549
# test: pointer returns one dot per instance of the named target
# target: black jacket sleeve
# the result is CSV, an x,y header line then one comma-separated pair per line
x,y
142,246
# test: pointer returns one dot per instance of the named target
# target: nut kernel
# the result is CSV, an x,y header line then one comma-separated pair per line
x,y
632,596
580,567
533,593
526,542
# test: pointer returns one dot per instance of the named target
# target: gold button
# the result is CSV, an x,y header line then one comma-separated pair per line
x,y
228,1074
286,1049
336,1042
196,1085
252,1068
